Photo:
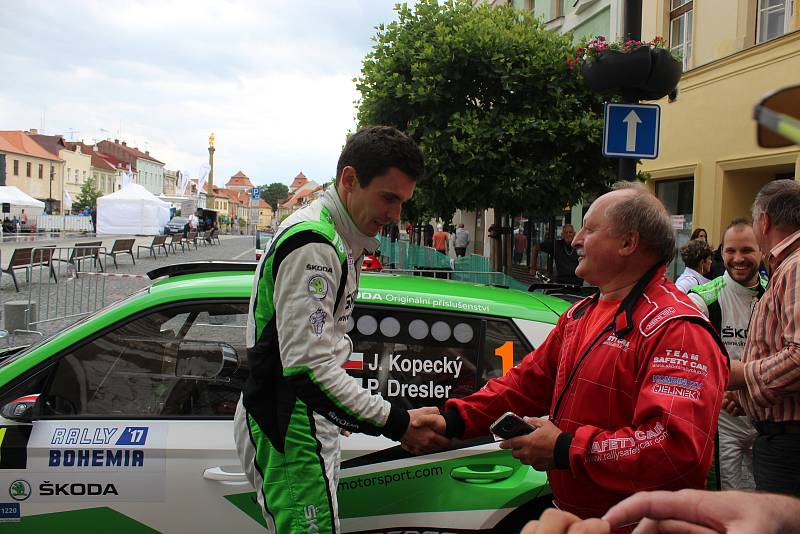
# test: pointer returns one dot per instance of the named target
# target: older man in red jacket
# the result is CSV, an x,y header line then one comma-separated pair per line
x,y
632,378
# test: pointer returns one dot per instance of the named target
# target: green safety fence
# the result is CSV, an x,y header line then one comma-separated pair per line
x,y
401,254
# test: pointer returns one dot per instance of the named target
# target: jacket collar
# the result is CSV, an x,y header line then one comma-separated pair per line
x,y
344,224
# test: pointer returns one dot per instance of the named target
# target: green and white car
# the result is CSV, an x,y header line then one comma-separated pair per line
x,y
123,422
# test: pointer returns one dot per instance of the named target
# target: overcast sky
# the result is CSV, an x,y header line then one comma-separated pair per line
x,y
271,78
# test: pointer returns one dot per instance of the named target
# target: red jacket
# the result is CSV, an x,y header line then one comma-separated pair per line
x,y
640,412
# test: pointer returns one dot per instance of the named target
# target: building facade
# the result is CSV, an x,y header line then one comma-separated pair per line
x,y
709,166
31,168
147,170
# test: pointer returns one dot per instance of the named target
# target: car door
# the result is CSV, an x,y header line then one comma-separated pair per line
x,y
416,358
132,428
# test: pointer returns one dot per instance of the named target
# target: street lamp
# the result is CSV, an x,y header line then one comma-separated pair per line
x,y
210,195
50,196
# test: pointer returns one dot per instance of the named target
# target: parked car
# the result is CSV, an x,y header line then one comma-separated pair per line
x,y
176,225
125,419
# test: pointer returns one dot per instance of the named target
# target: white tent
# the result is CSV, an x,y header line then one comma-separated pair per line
x,y
20,201
131,210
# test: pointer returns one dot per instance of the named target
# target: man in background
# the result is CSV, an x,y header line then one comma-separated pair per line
x,y
441,240
564,257
461,240
728,302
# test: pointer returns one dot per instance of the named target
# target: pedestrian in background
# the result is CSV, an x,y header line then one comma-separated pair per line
x,y
564,257
441,240
768,376
696,256
461,240
428,234
728,302
520,244
699,233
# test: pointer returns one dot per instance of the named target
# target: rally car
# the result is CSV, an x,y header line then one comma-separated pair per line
x,y
123,422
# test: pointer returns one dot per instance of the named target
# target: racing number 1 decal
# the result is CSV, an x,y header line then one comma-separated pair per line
x,y
506,354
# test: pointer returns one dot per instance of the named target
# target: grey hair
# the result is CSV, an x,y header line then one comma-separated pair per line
x,y
643,213
780,199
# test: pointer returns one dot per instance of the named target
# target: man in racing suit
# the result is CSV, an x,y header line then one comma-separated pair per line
x,y
632,377
297,397
728,302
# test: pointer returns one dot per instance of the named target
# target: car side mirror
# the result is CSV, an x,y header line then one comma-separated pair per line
x,y
206,360
20,409
778,118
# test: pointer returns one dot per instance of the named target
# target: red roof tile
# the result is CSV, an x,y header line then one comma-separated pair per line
x,y
18,142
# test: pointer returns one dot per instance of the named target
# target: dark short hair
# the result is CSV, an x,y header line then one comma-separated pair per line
x,y
643,213
780,199
694,252
372,151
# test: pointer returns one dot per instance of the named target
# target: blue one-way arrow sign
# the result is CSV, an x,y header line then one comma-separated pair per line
x,y
631,130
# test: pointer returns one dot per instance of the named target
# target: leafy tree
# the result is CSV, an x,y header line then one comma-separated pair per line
x,y
273,193
502,120
88,195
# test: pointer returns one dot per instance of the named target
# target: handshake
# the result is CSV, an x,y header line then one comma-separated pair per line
x,y
425,432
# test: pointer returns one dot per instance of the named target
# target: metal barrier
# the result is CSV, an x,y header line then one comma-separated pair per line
x,y
479,277
76,289
401,256
64,222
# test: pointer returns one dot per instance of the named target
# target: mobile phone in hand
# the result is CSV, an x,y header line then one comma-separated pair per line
x,y
510,425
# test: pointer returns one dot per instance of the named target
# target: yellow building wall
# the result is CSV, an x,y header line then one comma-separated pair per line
x,y
34,186
709,132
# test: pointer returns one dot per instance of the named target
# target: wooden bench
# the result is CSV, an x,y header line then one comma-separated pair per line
x,y
122,246
159,242
215,236
189,240
26,258
86,251
172,242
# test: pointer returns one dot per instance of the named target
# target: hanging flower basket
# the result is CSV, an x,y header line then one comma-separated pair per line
x,y
634,70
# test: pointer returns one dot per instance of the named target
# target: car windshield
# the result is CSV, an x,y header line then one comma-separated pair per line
x,y
178,220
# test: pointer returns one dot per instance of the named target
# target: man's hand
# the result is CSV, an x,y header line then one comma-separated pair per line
x,y
536,449
425,431
730,403
736,378
695,512
555,521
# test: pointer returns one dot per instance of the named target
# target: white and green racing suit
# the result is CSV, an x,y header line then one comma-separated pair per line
x,y
298,397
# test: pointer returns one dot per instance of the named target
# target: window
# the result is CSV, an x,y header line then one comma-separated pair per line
x,y
774,17
41,171
28,169
414,358
16,167
503,348
188,360
680,29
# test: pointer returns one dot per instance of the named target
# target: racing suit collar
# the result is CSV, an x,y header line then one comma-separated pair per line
x,y
739,289
623,318
344,224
